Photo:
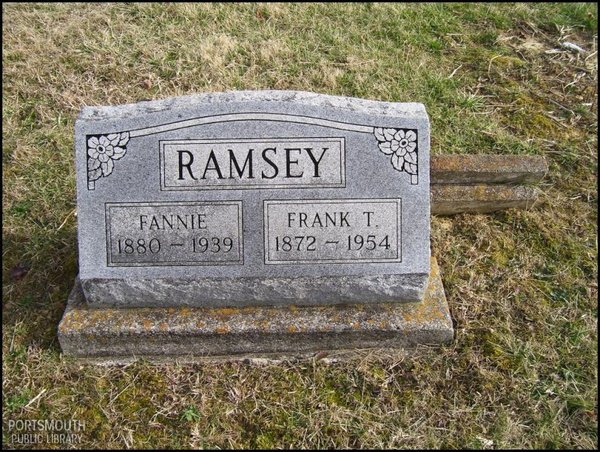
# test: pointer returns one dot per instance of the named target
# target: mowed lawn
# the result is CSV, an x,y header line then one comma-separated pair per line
x,y
521,285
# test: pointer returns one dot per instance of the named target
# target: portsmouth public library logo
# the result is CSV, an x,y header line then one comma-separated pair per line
x,y
24,432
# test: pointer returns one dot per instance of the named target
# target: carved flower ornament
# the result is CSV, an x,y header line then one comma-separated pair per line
x,y
401,144
101,151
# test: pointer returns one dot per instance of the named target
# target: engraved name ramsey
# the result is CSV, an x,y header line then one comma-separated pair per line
x,y
252,163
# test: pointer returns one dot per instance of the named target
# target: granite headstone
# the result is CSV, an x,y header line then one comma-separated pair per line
x,y
253,198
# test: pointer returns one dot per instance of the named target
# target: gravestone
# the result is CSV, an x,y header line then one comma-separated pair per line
x,y
251,222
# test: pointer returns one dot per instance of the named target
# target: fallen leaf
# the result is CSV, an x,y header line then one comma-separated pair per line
x,y
19,271
321,355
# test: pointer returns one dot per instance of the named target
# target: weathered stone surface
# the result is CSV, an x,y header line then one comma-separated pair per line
x,y
452,199
253,198
222,292
487,169
190,333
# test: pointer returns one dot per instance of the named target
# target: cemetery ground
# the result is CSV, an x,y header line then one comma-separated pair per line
x,y
521,285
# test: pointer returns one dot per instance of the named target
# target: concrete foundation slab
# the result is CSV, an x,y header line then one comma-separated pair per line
x,y
192,334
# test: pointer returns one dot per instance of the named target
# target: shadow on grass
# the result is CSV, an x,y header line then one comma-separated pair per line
x,y
38,275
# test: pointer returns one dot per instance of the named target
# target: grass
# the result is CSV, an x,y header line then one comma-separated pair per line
x,y
522,285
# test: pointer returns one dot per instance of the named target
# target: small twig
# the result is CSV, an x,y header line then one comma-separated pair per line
x,y
35,398
562,106
66,218
124,389
577,78
454,71
12,341
490,65
521,55
572,46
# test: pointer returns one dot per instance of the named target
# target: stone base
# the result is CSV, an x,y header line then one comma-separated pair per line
x,y
452,199
190,334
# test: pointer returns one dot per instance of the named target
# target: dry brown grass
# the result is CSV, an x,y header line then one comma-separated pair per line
x,y
522,285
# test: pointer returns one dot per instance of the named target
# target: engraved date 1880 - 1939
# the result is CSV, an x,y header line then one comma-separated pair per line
x,y
183,233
